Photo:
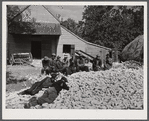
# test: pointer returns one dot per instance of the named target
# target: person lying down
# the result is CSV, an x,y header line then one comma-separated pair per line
x,y
45,83
49,95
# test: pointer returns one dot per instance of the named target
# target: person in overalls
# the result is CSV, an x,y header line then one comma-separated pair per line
x,y
97,63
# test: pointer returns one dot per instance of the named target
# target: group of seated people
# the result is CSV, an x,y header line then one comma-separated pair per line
x,y
74,64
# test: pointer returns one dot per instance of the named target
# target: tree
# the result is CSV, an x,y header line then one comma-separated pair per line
x,y
112,26
22,27
76,28
70,24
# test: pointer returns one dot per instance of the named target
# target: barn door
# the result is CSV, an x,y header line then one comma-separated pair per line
x,y
36,49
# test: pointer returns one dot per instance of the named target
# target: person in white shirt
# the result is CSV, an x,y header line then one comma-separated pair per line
x,y
88,64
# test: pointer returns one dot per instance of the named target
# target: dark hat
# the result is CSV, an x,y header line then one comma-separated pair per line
x,y
53,75
87,59
53,54
46,58
58,57
107,55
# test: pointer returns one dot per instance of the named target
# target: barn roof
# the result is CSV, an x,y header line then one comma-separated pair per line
x,y
47,23
38,29
39,18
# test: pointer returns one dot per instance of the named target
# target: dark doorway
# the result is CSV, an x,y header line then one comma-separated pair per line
x,y
36,49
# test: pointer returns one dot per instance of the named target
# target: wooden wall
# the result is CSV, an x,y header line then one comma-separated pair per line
x,y
70,39
18,44
52,44
95,50
22,44
49,45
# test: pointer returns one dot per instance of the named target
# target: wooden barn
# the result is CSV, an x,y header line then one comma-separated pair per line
x,y
49,37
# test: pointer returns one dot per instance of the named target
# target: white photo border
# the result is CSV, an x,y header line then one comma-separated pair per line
x,y
71,113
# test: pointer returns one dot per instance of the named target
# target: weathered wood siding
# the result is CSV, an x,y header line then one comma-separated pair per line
x,y
70,39
22,44
49,45
18,44
95,50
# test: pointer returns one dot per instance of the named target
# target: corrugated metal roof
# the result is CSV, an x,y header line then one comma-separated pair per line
x,y
48,28
38,28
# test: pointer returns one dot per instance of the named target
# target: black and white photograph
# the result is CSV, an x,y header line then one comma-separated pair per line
x,y
74,60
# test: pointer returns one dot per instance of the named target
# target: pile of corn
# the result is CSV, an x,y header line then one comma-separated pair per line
x,y
118,88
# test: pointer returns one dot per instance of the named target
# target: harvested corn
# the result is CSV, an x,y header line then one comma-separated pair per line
x,y
121,87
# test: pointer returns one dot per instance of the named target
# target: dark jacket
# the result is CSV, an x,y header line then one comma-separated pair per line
x,y
45,63
80,62
51,94
108,63
37,86
59,64
97,63
52,63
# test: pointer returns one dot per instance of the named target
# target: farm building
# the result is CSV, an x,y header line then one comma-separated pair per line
x,y
49,37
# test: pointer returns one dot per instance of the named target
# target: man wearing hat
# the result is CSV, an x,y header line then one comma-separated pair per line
x,y
108,62
73,64
52,62
97,63
45,65
60,66
81,64
65,61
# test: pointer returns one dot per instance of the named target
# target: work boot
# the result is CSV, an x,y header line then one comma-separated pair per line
x,y
32,102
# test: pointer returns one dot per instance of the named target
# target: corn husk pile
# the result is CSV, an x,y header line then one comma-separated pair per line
x,y
121,87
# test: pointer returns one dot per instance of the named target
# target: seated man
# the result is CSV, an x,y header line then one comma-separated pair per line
x,y
65,61
45,66
88,64
108,63
72,65
81,64
97,63
61,68
52,63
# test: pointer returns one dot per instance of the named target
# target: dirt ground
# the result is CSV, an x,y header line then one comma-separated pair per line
x,y
19,76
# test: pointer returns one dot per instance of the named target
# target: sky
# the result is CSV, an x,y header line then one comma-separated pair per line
x,y
68,11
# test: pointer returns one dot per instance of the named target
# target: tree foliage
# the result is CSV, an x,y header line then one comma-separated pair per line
x,y
73,26
113,26
110,26
23,27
